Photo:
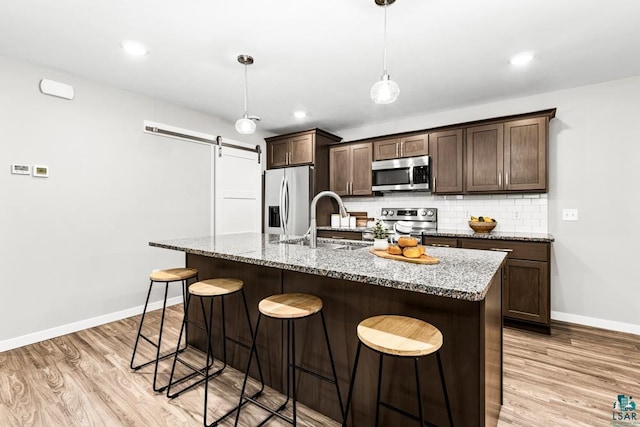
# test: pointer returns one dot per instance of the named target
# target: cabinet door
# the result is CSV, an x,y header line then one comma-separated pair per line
x,y
417,145
440,242
301,150
484,158
277,153
446,161
361,158
526,291
333,234
525,154
340,169
386,149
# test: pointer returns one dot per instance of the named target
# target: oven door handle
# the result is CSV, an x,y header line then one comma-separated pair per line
x,y
411,176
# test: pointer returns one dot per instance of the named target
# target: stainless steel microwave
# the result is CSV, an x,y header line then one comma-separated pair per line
x,y
407,174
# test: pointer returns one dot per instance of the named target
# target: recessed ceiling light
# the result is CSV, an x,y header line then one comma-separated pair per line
x,y
134,48
299,114
522,58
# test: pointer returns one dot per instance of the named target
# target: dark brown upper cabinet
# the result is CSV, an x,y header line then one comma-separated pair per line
x,y
300,148
394,148
507,156
445,149
291,151
350,169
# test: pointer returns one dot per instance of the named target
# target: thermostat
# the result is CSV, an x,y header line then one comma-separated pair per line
x,y
41,171
21,169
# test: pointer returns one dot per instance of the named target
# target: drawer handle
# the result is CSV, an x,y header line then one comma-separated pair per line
x,y
501,250
337,237
439,245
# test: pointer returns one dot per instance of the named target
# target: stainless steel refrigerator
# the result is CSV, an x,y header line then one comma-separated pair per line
x,y
287,196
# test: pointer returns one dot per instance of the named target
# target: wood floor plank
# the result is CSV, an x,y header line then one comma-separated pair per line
x,y
567,379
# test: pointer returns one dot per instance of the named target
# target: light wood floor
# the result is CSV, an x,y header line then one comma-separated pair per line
x,y
570,378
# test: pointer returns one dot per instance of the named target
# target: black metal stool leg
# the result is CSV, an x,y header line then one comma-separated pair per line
x,y
244,382
333,365
175,357
210,356
164,310
419,392
444,388
351,384
135,346
293,371
246,310
378,392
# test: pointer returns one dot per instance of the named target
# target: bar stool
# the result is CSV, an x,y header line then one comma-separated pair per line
x,y
209,290
289,307
167,276
403,337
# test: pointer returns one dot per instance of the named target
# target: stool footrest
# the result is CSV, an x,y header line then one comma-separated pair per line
x,y
273,412
314,374
142,365
406,414
232,411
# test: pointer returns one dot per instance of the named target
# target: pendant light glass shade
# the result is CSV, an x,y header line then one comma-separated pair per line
x,y
245,125
386,90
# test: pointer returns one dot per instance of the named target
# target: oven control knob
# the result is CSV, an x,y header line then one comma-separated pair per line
x,y
391,213
423,212
430,213
384,213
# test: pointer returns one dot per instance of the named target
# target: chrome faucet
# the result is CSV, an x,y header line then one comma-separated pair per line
x,y
313,232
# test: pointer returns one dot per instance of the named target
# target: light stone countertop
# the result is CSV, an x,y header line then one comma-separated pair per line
x,y
469,234
462,273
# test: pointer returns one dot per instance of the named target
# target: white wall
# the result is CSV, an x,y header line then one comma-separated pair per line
x,y
594,152
74,246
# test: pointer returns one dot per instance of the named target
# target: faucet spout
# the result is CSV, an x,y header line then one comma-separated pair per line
x,y
313,231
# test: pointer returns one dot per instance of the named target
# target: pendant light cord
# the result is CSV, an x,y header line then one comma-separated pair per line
x,y
384,52
246,92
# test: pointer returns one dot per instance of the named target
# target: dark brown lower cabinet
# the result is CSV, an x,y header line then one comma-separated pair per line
x,y
333,234
526,283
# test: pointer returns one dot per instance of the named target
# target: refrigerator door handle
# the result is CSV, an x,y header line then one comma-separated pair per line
x,y
286,202
281,207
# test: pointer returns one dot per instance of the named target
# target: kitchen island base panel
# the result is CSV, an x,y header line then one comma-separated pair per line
x,y
471,353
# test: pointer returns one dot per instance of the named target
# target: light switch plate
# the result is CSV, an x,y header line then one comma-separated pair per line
x,y
41,171
569,214
21,169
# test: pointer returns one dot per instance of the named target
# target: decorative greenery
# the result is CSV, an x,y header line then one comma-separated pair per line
x,y
379,232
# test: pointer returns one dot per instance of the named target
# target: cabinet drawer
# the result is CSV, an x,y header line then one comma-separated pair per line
x,y
331,234
444,242
535,251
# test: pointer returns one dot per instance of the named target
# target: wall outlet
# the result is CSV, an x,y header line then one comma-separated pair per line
x,y
569,214
516,214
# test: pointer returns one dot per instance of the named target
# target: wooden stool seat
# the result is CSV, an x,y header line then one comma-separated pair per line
x,y
399,335
290,306
173,274
216,287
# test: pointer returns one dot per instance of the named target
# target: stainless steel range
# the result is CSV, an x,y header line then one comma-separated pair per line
x,y
421,219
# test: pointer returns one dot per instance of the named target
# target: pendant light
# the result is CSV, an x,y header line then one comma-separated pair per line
x,y
246,124
386,90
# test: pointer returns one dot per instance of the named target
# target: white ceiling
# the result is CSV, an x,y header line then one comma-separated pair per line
x,y
323,56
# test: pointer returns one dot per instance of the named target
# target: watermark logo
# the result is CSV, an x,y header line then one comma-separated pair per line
x,y
624,411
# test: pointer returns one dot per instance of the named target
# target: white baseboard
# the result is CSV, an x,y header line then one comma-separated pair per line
x,y
596,323
35,337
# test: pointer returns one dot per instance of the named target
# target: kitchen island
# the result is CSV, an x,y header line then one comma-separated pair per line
x,y
461,296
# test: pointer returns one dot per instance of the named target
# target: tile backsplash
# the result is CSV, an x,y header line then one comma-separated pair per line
x,y
525,213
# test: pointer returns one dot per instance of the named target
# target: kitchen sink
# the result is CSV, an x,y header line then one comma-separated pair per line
x,y
324,244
